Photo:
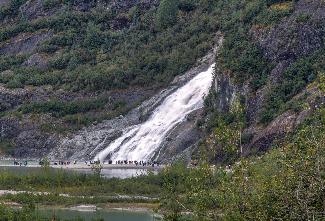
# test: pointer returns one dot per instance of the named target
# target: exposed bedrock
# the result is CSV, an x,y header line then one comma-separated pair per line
x,y
88,142
282,45
25,43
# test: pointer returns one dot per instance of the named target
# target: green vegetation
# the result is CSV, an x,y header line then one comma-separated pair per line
x,y
11,9
72,115
92,55
8,62
295,79
243,58
60,108
54,199
225,138
101,50
240,56
167,13
286,183
79,189
28,213
6,146
60,181
243,61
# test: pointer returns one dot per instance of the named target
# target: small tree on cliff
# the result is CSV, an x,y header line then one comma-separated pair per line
x,y
167,13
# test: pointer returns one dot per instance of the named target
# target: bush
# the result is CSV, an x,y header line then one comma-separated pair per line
x,y
244,59
49,4
271,2
277,185
167,13
295,78
60,108
187,5
12,9
10,62
15,83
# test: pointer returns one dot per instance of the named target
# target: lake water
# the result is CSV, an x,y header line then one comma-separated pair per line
x,y
6,165
118,173
106,215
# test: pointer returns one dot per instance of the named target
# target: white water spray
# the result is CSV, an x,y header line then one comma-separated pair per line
x,y
140,142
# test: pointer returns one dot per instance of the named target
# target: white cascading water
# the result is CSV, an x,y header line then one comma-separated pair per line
x,y
140,142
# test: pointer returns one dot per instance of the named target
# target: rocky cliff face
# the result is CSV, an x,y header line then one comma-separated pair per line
x,y
297,36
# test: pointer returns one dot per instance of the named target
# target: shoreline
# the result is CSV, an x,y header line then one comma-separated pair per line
x,y
129,207
83,167
75,165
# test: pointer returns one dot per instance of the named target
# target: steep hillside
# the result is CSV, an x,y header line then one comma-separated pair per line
x,y
268,77
69,64
66,66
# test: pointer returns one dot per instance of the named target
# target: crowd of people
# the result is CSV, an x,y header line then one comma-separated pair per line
x,y
64,163
136,163
91,162
126,162
20,163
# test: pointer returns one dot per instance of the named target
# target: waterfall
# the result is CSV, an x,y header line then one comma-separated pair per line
x,y
142,141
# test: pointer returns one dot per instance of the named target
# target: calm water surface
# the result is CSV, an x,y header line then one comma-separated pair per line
x,y
6,165
106,215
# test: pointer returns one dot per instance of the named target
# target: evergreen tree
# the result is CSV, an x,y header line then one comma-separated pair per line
x,y
167,13
93,38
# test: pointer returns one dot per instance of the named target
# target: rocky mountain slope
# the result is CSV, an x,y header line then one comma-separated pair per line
x,y
292,50
73,73
67,65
